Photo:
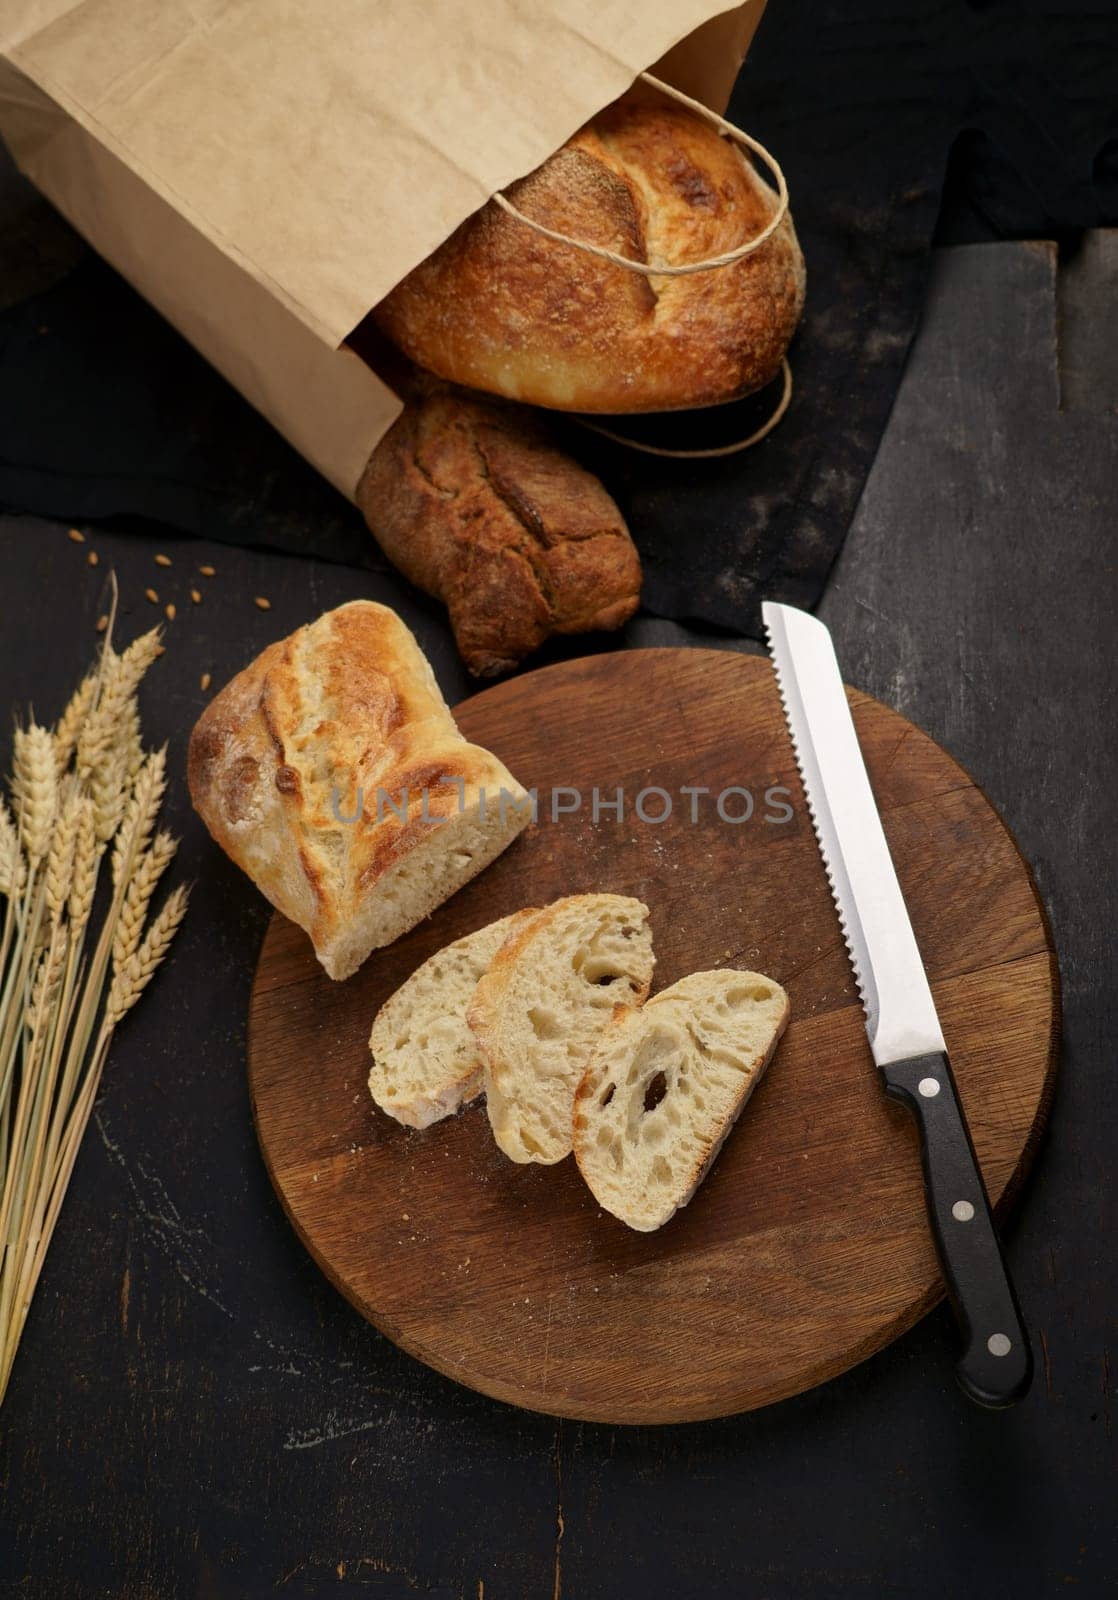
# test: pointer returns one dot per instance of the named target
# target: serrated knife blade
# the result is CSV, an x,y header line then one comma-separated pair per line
x,y
901,1016
904,1031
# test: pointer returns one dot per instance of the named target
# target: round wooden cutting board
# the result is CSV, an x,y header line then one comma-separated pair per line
x,y
807,1248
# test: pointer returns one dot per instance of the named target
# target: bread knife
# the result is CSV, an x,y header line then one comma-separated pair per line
x,y
996,1365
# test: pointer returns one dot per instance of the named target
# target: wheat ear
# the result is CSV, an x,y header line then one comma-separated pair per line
x,y
12,870
83,880
141,888
60,861
72,721
132,740
137,971
105,750
34,788
139,815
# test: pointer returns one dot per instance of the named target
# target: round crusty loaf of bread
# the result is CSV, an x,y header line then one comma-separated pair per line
x,y
501,308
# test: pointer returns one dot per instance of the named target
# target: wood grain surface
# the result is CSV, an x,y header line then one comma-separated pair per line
x,y
807,1248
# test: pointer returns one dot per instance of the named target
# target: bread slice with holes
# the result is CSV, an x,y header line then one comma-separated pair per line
x,y
426,1062
537,1013
664,1086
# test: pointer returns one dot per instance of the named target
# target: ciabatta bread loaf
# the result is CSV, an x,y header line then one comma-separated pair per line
x,y
664,1086
475,503
537,1012
332,772
499,307
425,1058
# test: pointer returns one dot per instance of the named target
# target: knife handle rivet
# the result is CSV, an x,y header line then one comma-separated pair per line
x,y
962,1211
999,1344
928,1087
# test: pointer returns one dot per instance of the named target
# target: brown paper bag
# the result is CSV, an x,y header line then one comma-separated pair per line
x,y
264,174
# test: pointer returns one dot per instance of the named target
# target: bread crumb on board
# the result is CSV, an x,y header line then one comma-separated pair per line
x,y
150,594
76,536
102,623
162,561
262,603
196,596
169,612
92,558
207,572
205,681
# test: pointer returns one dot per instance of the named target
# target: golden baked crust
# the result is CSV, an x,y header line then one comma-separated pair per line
x,y
347,708
476,505
500,308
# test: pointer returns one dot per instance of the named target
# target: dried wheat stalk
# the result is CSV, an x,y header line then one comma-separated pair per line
x,y
77,947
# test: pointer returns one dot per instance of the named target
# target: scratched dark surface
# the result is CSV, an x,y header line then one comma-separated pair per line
x,y
194,1412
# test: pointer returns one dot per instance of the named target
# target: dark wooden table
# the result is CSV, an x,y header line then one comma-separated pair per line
x,y
195,1412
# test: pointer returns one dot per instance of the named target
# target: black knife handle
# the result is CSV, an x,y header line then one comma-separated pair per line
x,y
997,1364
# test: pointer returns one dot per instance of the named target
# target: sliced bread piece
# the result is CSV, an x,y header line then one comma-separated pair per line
x,y
425,1060
664,1086
539,1009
